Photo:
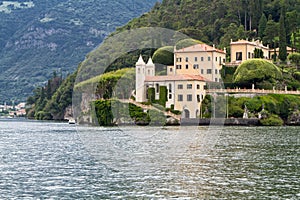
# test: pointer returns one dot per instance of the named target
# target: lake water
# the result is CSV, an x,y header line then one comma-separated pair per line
x,y
41,160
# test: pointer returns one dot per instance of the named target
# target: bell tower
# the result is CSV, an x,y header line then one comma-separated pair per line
x,y
150,68
140,75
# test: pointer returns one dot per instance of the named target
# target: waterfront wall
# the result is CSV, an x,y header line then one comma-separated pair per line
x,y
220,122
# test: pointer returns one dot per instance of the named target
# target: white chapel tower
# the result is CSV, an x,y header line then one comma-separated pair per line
x,y
141,71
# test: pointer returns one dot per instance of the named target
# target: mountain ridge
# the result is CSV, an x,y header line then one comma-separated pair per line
x,y
55,36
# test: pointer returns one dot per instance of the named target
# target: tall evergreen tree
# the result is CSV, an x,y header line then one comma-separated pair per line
x,y
282,36
262,26
292,24
271,32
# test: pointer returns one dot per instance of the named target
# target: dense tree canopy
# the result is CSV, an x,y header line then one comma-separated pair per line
x,y
208,21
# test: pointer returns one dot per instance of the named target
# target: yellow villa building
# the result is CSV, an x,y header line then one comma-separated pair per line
x,y
199,59
242,50
185,81
289,50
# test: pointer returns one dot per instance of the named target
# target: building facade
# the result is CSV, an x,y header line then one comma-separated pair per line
x,y
199,59
272,52
242,50
185,91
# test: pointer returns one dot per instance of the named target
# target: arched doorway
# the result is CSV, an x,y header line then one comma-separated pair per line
x,y
197,113
186,113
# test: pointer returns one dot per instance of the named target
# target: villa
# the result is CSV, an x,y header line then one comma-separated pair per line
x,y
199,59
242,50
185,81
193,67
272,52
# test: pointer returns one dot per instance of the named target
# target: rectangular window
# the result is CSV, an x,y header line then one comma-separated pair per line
x,y
196,66
216,80
208,58
216,59
239,55
178,59
224,60
189,97
170,96
178,66
186,66
202,59
186,59
198,87
157,88
249,55
171,69
189,86
180,87
209,71
180,97
216,71
196,59
202,71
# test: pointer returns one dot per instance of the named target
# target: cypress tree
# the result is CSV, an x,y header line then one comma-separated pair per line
x,y
282,36
262,26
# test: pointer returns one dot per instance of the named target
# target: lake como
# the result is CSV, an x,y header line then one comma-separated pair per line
x,y
42,160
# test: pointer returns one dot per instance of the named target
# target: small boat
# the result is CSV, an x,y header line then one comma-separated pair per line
x,y
72,121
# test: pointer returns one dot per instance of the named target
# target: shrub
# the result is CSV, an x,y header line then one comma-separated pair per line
x,y
273,120
151,95
295,58
255,71
236,111
163,95
164,55
156,118
297,76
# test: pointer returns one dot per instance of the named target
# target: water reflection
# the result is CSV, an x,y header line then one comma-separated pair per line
x,y
42,160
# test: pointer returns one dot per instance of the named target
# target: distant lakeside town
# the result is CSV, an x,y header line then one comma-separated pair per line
x,y
12,111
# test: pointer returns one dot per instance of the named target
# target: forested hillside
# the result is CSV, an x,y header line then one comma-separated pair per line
x,y
275,22
213,22
39,37
217,21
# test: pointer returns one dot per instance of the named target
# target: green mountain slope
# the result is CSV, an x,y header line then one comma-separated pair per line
x,y
39,37
212,22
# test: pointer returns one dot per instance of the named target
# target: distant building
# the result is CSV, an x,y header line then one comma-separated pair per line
x,y
242,50
289,50
185,91
199,59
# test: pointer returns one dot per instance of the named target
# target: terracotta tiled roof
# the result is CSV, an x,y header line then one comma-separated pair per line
x,y
182,77
199,47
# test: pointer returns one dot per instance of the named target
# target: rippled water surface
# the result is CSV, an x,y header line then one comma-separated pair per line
x,y
40,160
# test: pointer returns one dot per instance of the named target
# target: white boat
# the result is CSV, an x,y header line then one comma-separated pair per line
x,y
72,121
